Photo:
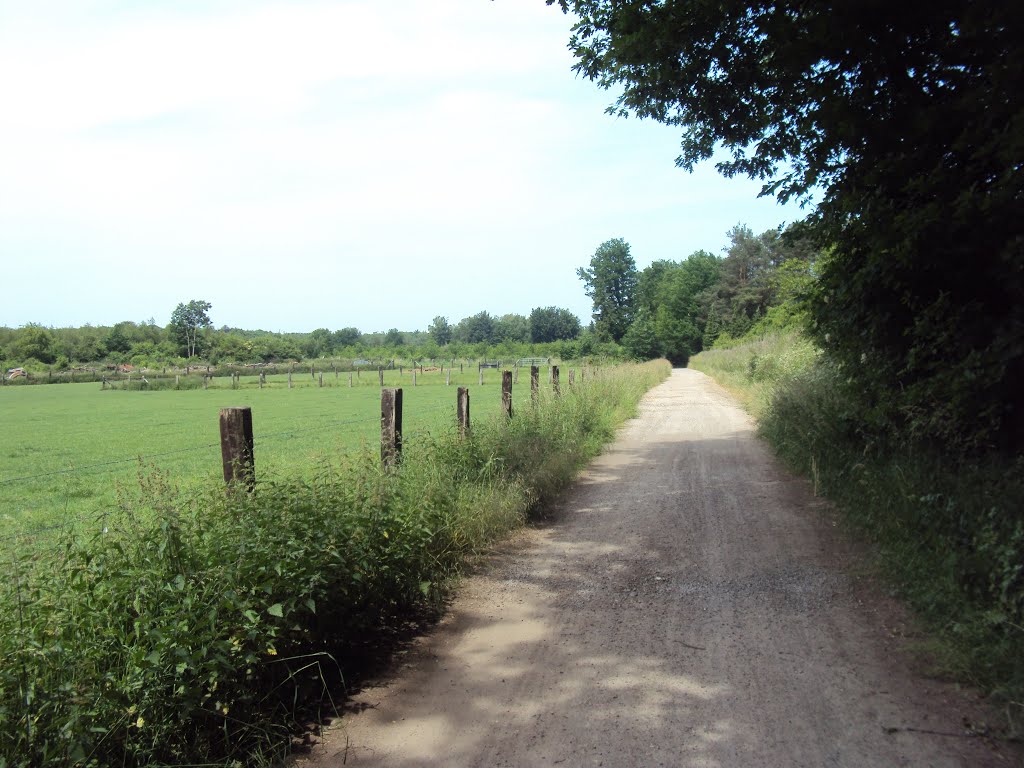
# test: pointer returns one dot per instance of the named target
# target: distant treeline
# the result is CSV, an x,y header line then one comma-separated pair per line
x,y
546,332
670,309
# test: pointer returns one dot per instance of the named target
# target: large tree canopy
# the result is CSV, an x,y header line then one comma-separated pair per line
x,y
610,282
905,124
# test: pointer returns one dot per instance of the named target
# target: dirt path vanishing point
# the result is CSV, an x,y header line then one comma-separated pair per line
x,y
691,604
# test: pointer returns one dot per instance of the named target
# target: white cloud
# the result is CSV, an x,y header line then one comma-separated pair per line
x,y
298,147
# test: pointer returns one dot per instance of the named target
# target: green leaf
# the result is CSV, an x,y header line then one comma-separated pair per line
x,y
276,610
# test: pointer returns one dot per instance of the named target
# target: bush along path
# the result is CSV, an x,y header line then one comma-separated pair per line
x,y
212,628
689,603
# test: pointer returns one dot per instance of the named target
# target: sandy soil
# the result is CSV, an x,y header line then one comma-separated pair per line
x,y
691,604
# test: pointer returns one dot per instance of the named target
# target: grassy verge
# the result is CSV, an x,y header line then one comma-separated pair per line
x,y
949,533
209,628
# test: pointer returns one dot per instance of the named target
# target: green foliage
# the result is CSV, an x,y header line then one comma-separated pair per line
x,y
611,281
186,321
440,331
193,627
909,131
641,340
33,341
476,329
552,324
511,328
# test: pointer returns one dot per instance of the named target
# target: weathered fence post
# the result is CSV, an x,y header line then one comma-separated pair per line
x,y
380,374
289,379
236,446
321,378
448,379
515,374
481,376
572,376
534,382
263,379
350,379
414,377
312,372
177,381
462,411
206,381
506,393
554,379
390,426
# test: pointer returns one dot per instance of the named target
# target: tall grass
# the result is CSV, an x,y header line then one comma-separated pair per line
x,y
949,531
211,628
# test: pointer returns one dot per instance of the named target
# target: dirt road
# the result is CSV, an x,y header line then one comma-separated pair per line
x,y
691,604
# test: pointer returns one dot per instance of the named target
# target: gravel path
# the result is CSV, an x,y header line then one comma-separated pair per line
x,y
691,604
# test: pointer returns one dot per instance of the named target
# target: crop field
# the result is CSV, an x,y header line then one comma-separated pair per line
x,y
68,448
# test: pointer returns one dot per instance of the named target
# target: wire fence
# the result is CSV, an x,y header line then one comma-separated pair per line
x,y
362,426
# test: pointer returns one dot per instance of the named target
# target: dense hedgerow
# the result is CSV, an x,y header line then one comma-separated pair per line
x,y
212,628
949,529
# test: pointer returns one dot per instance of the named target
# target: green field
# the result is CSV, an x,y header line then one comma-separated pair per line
x,y
68,448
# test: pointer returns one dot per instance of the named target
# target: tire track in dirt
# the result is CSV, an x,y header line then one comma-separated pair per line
x,y
690,604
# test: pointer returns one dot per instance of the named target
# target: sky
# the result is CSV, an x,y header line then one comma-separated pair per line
x,y
306,165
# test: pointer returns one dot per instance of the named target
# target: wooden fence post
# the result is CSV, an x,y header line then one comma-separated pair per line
x,y
350,379
448,379
206,381
506,393
515,374
554,379
289,379
414,377
462,411
572,376
236,446
312,372
481,376
390,426
263,379
321,378
534,382
380,374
